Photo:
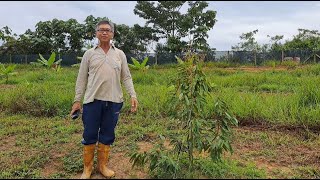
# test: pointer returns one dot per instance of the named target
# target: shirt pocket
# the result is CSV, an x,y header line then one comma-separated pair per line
x,y
117,64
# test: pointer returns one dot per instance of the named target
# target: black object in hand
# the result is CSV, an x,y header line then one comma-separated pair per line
x,y
76,114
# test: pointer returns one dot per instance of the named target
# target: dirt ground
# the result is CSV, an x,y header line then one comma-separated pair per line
x,y
258,69
280,152
285,156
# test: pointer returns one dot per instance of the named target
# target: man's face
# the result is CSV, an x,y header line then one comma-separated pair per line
x,y
104,33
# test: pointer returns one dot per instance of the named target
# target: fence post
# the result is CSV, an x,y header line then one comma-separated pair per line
x,y
10,58
255,57
228,56
282,56
156,58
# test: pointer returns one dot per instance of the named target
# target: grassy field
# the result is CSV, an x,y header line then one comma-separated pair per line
x,y
277,108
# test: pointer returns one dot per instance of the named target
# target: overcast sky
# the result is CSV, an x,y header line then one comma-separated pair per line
x,y
233,17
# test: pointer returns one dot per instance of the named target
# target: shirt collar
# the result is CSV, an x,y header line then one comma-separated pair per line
x,y
112,45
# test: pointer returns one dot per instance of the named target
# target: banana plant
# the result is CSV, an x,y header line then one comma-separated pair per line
x,y
50,63
136,65
6,72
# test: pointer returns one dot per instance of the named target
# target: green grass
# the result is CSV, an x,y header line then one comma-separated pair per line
x,y
287,97
35,104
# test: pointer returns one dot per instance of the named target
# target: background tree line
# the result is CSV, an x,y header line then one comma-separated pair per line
x,y
305,40
164,21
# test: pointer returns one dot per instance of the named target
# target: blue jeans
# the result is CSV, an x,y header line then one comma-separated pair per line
x,y
99,120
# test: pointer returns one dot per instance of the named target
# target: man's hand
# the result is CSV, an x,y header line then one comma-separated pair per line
x,y
134,104
76,105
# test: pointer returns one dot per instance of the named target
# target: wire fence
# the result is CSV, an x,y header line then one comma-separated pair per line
x,y
239,57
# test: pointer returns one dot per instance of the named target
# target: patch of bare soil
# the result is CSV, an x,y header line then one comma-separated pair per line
x,y
55,164
258,69
260,124
7,86
285,157
8,143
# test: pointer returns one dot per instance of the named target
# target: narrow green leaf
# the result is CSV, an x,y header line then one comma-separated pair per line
x,y
51,59
143,64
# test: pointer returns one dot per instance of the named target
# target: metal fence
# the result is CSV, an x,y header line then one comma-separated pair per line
x,y
240,57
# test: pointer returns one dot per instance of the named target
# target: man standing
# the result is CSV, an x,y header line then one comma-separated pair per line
x,y
102,69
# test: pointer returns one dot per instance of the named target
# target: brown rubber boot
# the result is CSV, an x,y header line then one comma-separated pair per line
x,y
88,155
103,155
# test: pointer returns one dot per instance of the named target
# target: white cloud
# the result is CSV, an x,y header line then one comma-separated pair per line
x,y
277,21
23,15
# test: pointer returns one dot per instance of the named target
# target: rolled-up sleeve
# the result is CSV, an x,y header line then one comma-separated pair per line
x,y
126,76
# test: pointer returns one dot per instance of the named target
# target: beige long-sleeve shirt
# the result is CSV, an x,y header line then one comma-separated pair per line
x,y
100,75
